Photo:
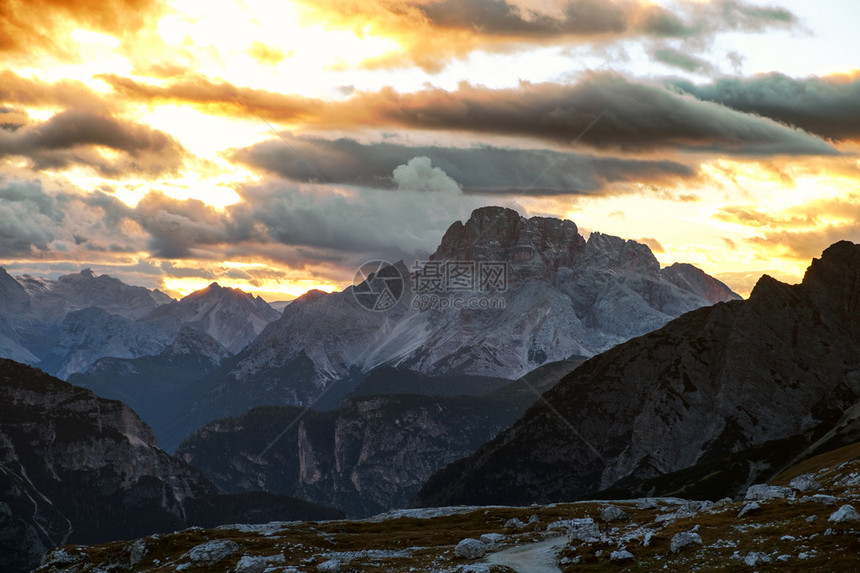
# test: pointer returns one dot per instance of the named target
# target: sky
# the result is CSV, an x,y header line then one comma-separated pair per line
x,y
277,146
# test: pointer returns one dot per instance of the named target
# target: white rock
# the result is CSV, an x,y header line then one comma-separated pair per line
x,y
330,566
620,555
646,503
137,551
613,513
514,523
844,513
756,558
685,539
492,538
534,519
784,557
583,529
63,556
470,549
646,540
805,482
812,519
751,506
213,551
820,498
249,564
763,492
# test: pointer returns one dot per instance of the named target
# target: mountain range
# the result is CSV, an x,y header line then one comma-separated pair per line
x,y
564,297
719,398
63,326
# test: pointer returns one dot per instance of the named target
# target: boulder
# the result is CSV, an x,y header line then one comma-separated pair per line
x,y
212,551
470,549
843,514
613,513
764,492
685,539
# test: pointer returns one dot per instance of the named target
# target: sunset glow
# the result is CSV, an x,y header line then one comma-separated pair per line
x,y
293,141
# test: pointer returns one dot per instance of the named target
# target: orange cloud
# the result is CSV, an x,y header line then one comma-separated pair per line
x,y
28,28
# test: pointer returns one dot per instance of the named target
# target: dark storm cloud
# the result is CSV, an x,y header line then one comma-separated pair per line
x,y
177,227
634,115
480,169
72,137
604,18
828,106
34,222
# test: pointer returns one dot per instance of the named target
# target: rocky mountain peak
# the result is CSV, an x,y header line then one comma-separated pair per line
x,y
610,252
834,282
535,246
15,297
191,341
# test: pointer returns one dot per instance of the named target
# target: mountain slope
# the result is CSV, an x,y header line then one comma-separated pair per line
x,y
157,386
76,468
63,326
230,316
564,297
715,382
370,454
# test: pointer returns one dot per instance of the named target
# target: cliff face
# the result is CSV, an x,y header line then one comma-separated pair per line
x,y
368,456
160,387
779,369
76,468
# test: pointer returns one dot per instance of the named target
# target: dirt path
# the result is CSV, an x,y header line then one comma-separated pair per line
x,y
531,558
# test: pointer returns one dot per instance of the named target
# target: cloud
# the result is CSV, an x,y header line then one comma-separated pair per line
x,y
828,106
76,137
433,32
176,227
299,226
36,223
219,97
419,175
401,223
653,244
633,115
478,169
66,94
682,60
28,27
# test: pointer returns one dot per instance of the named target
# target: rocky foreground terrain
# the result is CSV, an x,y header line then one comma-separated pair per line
x,y
805,520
